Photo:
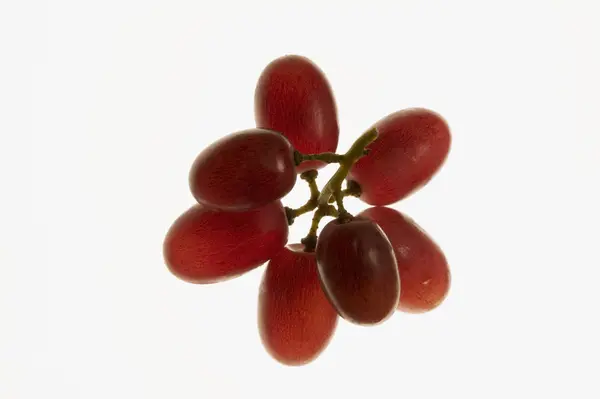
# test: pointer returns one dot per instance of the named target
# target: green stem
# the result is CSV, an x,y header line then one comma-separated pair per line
x,y
333,188
349,158
339,200
332,192
310,241
352,190
327,157
310,177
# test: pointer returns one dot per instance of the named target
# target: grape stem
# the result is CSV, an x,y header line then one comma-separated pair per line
x,y
310,176
310,241
332,192
352,190
327,157
349,158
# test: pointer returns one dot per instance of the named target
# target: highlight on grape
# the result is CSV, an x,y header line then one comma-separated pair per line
x,y
361,267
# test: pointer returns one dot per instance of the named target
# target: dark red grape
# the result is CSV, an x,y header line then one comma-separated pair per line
x,y
293,97
206,245
295,319
244,170
411,147
424,272
358,270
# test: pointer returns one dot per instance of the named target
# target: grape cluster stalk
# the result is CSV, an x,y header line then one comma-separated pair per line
x,y
360,268
332,191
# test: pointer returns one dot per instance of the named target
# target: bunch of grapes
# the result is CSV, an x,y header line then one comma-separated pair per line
x,y
361,267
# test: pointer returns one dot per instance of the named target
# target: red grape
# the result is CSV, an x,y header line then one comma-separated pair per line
x,y
244,170
206,245
295,318
411,147
424,273
358,270
293,97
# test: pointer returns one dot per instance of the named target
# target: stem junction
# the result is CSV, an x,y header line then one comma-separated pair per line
x,y
332,191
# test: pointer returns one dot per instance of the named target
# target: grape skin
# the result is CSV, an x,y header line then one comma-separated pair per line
x,y
293,97
206,245
423,268
244,170
358,270
295,319
411,147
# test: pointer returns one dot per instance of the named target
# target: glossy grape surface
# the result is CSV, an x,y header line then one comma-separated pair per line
x,y
295,319
358,270
206,245
244,170
411,147
424,272
293,97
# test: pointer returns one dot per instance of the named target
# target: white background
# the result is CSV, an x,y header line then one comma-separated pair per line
x,y
104,105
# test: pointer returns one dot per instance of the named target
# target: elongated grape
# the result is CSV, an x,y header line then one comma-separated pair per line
x,y
295,319
205,245
293,97
358,270
411,147
244,170
424,272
